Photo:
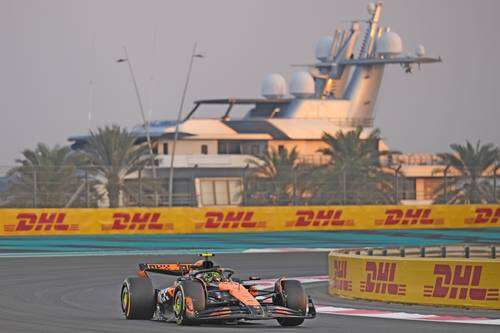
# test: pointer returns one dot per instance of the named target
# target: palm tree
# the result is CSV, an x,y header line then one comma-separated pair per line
x,y
275,173
471,163
354,174
114,154
46,177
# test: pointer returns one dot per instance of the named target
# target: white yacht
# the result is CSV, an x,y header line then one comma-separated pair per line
x,y
338,92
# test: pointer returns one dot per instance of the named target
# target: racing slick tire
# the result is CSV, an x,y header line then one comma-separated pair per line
x,y
137,298
294,297
189,298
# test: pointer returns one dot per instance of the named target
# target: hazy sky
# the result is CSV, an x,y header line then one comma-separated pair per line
x,y
51,49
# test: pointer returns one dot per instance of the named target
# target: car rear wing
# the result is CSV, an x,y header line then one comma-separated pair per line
x,y
169,269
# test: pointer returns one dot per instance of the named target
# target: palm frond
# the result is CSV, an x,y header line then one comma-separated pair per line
x,y
470,162
114,154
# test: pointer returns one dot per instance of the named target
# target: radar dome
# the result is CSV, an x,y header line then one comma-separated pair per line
x,y
302,85
273,86
420,51
389,44
324,48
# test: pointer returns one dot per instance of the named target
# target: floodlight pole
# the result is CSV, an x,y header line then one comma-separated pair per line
x,y
177,123
144,119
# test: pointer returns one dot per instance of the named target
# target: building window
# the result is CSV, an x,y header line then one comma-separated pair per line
x,y
408,188
255,149
165,149
219,191
281,149
204,149
246,147
229,147
155,150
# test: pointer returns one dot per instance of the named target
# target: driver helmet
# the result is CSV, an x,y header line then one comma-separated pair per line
x,y
211,277
203,264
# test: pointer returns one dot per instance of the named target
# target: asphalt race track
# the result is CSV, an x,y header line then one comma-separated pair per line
x,y
238,242
81,294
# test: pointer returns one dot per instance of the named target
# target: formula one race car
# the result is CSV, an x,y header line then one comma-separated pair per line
x,y
204,292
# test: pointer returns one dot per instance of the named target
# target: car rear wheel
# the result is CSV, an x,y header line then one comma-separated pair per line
x,y
293,296
189,299
137,298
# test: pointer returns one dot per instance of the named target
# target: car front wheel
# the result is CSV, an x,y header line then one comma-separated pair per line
x,y
293,296
188,300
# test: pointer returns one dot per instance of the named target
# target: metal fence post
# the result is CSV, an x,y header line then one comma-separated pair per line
x,y
443,251
445,188
344,187
35,203
192,189
294,192
194,198
244,194
139,196
446,183
495,183
396,194
396,184
87,188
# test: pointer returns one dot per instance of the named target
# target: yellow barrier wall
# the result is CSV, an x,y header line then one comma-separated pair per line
x,y
242,219
435,281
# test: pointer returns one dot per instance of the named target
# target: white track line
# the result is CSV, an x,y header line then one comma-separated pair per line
x,y
326,309
100,253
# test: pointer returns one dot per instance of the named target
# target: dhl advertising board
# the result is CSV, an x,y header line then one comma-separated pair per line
x,y
242,219
436,281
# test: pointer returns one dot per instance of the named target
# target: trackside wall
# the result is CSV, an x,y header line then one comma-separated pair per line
x,y
14,222
431,281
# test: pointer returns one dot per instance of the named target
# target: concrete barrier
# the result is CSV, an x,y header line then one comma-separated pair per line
x,y
382,275
243,219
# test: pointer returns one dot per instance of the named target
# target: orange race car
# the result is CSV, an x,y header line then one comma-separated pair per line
x,y
204,292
